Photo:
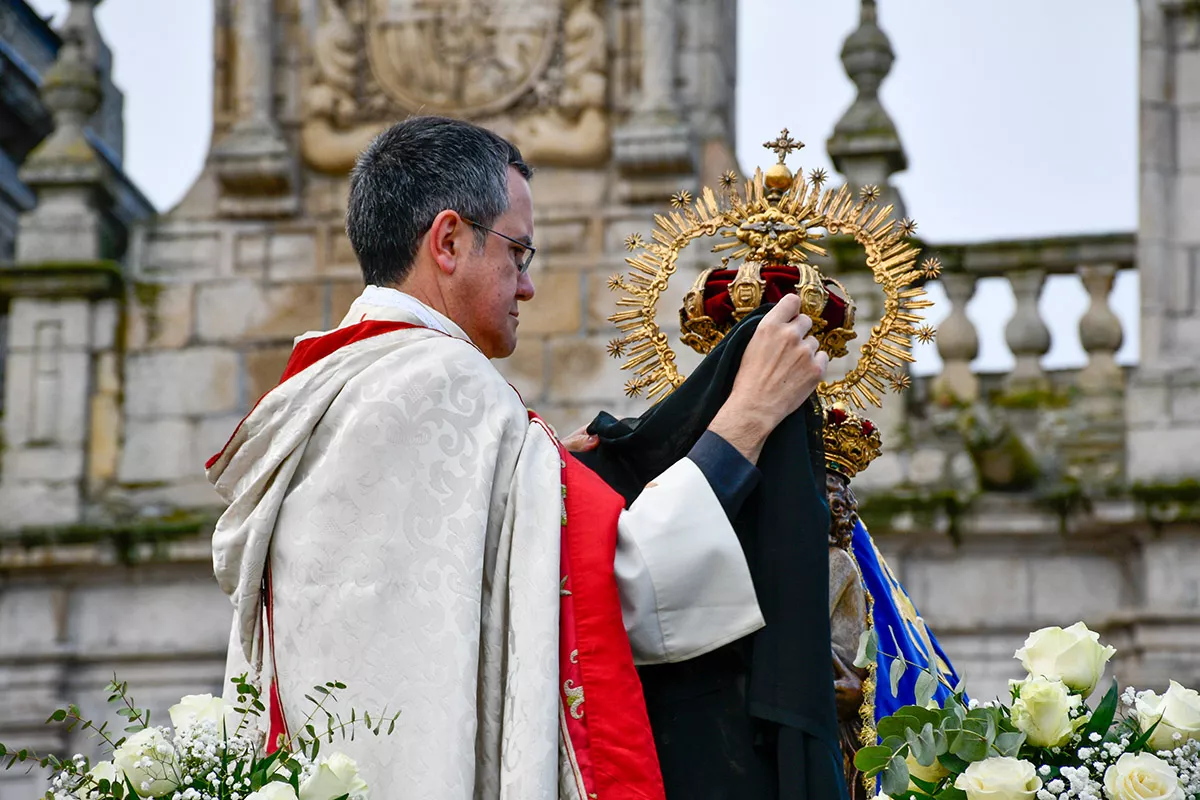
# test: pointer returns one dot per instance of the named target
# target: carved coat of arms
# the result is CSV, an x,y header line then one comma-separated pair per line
x,y
534,70
465,57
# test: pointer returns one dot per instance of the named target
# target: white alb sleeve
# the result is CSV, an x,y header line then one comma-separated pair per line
x,y
684,583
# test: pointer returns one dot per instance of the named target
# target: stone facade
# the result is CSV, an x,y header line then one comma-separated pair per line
x,y
1004,502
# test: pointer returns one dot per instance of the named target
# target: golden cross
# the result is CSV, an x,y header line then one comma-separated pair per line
x,y
783,145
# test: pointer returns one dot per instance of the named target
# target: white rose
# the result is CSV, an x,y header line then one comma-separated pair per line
x,y
336,776
1141,776
1073,655
199,708
274,791
932,774
999,779
1042,711
1177,711
103,771
148,761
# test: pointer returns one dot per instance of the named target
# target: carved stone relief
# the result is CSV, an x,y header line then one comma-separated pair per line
x,y
533,70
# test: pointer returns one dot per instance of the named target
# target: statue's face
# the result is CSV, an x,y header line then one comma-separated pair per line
x,y
843,509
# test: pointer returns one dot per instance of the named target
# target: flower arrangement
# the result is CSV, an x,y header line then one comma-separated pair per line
x,y
1047,743
214,752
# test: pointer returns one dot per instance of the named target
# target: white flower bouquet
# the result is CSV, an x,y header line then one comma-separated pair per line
x,y
213,751
1047,743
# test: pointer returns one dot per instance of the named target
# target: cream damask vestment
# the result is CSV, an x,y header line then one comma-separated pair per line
x,y
410,515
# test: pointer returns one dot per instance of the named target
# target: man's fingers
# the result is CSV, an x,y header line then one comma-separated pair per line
x,y
580,441
785,310
821,359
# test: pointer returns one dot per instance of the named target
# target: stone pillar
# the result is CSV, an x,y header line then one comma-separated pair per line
x,y
255,167
1026,333
656,149
957,341
659,33
62,317
66,174
1162,410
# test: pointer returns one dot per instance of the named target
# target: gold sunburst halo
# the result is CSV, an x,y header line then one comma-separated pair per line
x,y
774,225
869,193
925,334
616,348
818,177
931,268
633,241
728,179
908,226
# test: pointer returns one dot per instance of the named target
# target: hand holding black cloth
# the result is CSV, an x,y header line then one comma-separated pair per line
x,y
755,718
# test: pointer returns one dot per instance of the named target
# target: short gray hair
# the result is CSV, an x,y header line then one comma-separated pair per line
x,y
414,171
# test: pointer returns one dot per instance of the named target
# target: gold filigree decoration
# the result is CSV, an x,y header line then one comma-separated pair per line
x,y
616,282
775,218
633,241
925,334
728,179
900,381
616,348
681,199
818,177
869,193
574,695
908,226
783,145
931,268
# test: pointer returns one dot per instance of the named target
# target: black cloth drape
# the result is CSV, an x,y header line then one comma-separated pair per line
x,y
755,718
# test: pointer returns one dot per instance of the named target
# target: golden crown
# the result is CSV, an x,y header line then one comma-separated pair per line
x,y
774,223
851,442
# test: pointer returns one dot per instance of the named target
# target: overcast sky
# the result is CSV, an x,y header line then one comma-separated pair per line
x,y
1019,118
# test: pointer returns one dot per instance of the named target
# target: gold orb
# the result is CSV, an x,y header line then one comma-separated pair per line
x,y
778,177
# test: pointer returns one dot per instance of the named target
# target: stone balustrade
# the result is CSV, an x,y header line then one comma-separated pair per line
x,y
1095,259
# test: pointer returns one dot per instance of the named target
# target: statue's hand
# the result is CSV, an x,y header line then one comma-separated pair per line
x,y
847,689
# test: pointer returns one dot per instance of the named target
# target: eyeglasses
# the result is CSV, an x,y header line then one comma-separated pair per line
x,y
523,262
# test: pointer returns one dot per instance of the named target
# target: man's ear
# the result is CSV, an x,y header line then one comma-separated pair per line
x,y
446,240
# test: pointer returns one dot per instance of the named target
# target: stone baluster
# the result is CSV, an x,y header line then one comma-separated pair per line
x,y
1026,333
1100,331
254,162
957,341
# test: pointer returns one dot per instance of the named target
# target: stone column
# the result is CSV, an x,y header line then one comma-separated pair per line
x,y
62,315
254,163
957,341
659,32
1162,412
656,149
1026,333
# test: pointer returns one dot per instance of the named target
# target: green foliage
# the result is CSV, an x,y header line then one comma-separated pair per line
x,y
240,764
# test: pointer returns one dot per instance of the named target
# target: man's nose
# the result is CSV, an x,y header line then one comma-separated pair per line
x,y
525,288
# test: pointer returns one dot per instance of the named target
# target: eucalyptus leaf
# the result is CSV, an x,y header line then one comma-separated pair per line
x,y
868,649
1009,744
895,673
895,777
870,760
926,686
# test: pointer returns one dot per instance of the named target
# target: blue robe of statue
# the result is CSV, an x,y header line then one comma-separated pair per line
x,y
900,629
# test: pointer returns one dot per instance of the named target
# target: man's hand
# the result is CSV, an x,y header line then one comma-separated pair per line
x,y
780,369
580,441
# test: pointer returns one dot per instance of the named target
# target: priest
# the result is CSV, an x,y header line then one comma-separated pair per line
x,y
398,521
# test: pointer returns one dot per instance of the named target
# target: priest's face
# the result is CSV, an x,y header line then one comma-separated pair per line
x,y
492,282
